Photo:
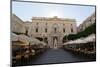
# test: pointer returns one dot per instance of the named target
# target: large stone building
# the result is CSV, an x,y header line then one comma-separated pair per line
x,y
87,22
17,25
52,29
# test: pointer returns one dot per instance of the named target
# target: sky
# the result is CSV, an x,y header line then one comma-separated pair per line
x,y
26,10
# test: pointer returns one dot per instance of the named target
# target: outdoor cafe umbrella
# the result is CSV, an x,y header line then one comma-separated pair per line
x,y
23,38
77,41
90,38
34,41
14,37
44,44
67,42
27,40
19,39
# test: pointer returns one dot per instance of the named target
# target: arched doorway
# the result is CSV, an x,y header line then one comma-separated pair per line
x,y
55,31
55,42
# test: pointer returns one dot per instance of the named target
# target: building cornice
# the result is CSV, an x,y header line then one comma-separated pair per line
x,y
55,18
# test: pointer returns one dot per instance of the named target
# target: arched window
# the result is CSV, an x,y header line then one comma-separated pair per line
x,y
36,23
71,24
63,25
46,24
46,30
55,28
63,30
71,29
36,29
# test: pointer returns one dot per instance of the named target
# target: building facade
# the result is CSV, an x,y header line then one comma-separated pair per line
x,y
17,25
87,22
52,29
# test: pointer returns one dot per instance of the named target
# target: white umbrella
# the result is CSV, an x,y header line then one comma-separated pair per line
x,y
90,38
23,38
78,41
34,41
67,42
27,40
14,37
43,43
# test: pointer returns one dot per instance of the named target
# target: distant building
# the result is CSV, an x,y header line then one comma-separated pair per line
x,y
17,25
87,22
52,29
